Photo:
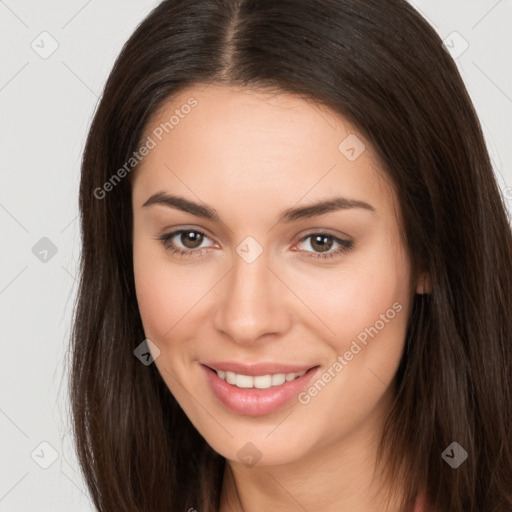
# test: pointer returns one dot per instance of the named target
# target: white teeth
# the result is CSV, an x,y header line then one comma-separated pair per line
x,y
259,381
278,379
262,381
243,381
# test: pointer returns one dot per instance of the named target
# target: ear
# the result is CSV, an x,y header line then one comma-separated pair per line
x,y
423,284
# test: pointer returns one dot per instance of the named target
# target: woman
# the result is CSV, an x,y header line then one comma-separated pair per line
x,y
295,271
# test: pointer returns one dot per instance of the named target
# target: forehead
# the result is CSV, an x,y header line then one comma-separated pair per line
x,y
256,145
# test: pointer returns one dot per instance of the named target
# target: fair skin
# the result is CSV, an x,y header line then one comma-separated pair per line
x,y
250,156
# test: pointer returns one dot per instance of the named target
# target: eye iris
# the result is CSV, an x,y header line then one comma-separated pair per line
x,y
191,239
318,242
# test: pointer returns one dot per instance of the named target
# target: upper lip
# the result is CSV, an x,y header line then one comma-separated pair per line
x,y
263,368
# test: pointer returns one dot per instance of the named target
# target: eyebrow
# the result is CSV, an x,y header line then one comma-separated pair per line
x,y
288,215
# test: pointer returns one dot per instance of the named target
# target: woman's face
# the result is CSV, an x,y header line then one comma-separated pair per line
x,y
265,276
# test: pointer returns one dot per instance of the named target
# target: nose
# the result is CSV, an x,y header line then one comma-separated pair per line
x,y
252,302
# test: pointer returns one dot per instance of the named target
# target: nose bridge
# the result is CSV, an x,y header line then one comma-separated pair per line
x,y
251,304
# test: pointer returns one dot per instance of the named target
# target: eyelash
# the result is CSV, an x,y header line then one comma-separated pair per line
x,y
165,239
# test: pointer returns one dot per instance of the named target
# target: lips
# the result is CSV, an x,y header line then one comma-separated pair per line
x,y
253,401
255,369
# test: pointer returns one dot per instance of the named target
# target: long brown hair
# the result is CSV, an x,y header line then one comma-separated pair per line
x,y
382,67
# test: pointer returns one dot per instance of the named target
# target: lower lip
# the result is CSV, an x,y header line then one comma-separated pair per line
x,y
254,401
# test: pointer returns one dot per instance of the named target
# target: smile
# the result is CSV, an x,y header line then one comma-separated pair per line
x,y
256,395
259,381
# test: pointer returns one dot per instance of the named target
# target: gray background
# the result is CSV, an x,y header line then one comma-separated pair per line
x,y
46,104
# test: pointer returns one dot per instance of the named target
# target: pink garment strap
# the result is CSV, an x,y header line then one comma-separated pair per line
x,y
420,504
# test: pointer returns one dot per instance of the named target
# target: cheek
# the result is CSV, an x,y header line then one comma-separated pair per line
x,y
165,293
370,290
367,308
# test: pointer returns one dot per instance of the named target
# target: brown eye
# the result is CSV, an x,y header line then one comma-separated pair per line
x,y
321,243
191,239
185,242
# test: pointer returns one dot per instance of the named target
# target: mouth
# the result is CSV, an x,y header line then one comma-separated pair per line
x,y
256,394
